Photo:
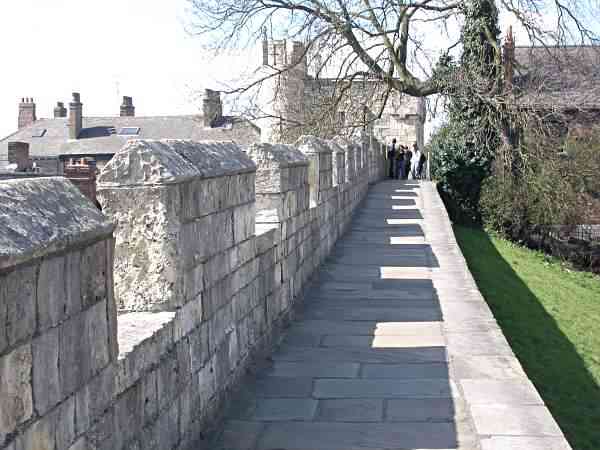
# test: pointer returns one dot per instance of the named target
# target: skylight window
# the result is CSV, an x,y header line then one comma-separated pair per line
x,y
129,131
38,132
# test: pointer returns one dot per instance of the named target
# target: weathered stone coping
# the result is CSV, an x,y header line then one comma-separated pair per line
x,y
280,155
45,215
169,161
312,144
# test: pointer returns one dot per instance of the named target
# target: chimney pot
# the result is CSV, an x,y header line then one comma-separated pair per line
x,y
75,116
212,107
127,109
26,112
18,153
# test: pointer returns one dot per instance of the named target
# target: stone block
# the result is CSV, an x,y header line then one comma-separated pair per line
x,y
51,295
243,222
95,397
15,390
74,355
46,381
64,423
275,162
167,381
199,347
514,420
93,273
150,396
207,383
129,409
17,305
184,361
187,318
40,435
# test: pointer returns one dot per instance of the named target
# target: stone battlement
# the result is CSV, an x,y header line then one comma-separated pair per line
x,y
129,328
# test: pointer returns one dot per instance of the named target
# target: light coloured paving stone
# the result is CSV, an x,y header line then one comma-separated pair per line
x,y
401,240
465,311
401,371
486,392
366,328
274,409
523,442
410,355
478,367
403,273
284,387
408,314
320,369
475,344
424,410
350,410
407,341
382,388
354,436
514,420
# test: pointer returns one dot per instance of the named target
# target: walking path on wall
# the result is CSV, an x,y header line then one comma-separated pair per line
x,y
395,348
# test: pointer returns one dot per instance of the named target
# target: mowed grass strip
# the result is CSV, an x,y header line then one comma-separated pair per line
x,y
551,316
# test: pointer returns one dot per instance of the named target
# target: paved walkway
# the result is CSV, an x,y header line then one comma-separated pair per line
x,y
395,349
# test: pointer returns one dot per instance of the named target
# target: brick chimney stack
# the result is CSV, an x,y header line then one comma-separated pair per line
x,y
26,112
82,173
60,110
18,153
127,108
509,60
75,116
212,108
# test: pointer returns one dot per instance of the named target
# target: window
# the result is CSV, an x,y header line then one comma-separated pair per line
x,y
129,131
38,133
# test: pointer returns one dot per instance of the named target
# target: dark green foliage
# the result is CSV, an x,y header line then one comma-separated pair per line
x,y
464,149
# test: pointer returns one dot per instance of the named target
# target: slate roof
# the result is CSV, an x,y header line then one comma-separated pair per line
x,y
559,78
99,135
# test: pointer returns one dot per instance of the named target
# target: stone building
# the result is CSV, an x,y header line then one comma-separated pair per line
x,y
561,84
292,97
70,135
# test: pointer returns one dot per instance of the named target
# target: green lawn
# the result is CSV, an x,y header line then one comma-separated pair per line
x,y
551,317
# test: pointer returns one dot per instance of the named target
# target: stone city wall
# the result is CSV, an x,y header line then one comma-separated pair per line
x,y
212,250
58,333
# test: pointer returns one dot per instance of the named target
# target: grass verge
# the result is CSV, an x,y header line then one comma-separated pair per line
x,y
550,314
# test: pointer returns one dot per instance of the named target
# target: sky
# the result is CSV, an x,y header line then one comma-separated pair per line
x,y
104,50
107,49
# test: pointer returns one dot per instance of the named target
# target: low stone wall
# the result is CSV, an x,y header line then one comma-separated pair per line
x,y
213,248
58,335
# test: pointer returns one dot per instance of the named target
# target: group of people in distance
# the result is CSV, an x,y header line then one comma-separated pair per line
x,y
404,163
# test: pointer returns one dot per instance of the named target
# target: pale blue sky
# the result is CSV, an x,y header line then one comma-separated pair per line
x,y
103,49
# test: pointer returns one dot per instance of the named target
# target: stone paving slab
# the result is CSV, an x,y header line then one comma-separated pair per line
x,y
394,348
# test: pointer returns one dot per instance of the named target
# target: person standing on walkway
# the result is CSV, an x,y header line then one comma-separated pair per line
x,y
400,163
422,162
408,156
414,162
391,156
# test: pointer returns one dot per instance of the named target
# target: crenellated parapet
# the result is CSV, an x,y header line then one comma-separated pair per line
x,y
130,327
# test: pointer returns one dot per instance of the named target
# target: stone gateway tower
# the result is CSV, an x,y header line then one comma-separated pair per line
x,y
291,100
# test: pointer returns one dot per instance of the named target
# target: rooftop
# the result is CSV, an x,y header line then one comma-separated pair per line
x,y
106,135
